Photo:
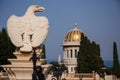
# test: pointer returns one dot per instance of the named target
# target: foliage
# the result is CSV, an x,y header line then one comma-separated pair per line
x,y
6,48
57,69
116,68
43,51
109,70
89,58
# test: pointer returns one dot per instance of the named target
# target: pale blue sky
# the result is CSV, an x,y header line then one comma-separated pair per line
x,y
99,19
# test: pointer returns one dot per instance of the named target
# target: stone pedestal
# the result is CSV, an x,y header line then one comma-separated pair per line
x,y
21,68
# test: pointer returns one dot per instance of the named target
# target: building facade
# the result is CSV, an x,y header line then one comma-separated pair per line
x,y
71,45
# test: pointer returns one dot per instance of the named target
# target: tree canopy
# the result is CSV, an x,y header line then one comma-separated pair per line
x,y
6,47
43,51
116,68
89,58
57,68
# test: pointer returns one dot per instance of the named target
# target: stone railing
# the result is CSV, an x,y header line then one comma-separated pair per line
x,y
70,61
78,75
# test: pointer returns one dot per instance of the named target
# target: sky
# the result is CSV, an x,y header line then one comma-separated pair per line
x,y
98,19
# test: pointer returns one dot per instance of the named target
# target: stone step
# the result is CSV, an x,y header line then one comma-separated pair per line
x,y
24,61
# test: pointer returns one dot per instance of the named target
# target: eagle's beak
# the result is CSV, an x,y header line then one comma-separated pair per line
x,y
41,9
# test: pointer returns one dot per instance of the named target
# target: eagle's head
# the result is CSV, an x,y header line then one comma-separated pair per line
x,y
35,8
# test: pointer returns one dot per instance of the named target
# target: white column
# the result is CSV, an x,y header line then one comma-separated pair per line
x,y
73,52
64,54
70,53
67,53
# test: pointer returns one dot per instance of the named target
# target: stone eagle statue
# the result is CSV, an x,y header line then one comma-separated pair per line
x,y
28,31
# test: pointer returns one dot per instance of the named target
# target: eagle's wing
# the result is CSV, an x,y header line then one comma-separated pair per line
x,y
14,25
41,26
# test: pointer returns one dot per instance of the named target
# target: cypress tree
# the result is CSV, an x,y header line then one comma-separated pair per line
x,y
116,69
82,55
89,58
6,47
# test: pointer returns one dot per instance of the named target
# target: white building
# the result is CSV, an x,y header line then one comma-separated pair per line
x,y
71,45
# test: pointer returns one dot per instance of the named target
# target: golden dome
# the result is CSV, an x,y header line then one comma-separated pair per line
x,y
73,35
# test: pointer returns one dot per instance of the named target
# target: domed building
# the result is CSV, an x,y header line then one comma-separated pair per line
x,y
71,45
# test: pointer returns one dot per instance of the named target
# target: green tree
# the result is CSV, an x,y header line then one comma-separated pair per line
x,y
89,58
57,69
43,52
116,68
6,47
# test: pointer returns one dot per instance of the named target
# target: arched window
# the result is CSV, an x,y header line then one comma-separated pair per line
x,y
71,53
76,53
75,69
